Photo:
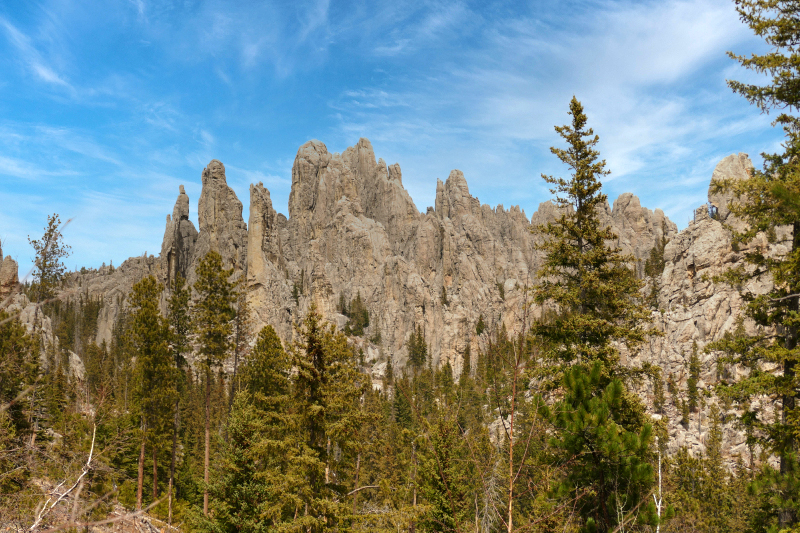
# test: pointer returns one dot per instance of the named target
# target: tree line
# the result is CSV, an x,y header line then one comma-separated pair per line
x,y
540,430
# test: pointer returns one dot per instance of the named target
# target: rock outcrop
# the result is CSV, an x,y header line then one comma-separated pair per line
x,y
353,229
222,227
694,311
9,277
180,236
270,291
733,167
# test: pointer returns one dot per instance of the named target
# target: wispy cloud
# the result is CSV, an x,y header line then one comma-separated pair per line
x,y
32,57
650,74
73,141
313,19
108,106
18,168
438,21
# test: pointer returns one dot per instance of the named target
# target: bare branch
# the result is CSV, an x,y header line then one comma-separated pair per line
x,y
128,516
45,509
784,297
18,397
362,488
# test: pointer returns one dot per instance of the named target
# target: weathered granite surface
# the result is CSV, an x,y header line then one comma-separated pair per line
x,y
352,228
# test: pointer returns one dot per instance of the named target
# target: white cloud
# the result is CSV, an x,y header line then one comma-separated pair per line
x,y
313,19
650,75
74,141
31,56
206,137
18,168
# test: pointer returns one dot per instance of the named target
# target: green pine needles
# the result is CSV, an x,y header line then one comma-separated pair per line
x,y
592,286
600,433
609,473
767,204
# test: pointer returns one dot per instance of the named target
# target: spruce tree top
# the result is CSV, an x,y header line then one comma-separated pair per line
x,y
592,287
50,250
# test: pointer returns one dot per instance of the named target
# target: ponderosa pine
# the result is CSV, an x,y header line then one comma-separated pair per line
x,y
153,392
592,286
213,317
179,319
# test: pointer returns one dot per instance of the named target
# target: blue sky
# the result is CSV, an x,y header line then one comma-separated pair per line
x,y
107,106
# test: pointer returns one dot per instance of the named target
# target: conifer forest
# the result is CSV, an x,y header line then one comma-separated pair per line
x,y
204,408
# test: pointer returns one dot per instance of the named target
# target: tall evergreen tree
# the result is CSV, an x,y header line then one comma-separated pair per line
x,y
180,327
692,381
241,331
593,287
50,251
154,390
214,313
609,474
417,349
602,437
19,358
764,202
260,471
446,477
326,393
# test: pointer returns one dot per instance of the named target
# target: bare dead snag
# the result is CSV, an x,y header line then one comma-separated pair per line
x,y
47,507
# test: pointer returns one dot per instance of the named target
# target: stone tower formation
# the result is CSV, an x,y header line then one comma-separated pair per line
x,y
352,228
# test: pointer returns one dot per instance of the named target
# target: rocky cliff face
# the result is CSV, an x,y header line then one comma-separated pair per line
x,y
180,237
222,227
353,229
695,311
8,276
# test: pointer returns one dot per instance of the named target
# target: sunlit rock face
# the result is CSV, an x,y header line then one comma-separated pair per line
x,y
353,229
222,228
9,277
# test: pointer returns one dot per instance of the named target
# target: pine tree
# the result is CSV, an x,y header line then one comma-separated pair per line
x,y
659,399
595,293
265,373
241,331
446,478
214,314
154,384
19,358
388,377
50,252
480,327
694,378
764,202
593,287
359,317
403,416
609,472
241,497
326,392
180,325
417,349
654,265
256,481
48,274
